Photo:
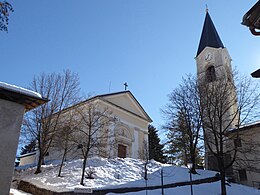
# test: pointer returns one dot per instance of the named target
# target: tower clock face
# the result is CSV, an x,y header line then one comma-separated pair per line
x,y
208,56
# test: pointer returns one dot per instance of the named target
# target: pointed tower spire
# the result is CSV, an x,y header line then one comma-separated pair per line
x,y
209,36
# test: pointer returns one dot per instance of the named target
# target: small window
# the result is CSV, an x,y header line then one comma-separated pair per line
x,y
237,142
242,175
210,74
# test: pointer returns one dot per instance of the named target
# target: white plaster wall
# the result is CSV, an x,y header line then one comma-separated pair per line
x,y
132,123
221,61
11,116
135,146
27,160
125,101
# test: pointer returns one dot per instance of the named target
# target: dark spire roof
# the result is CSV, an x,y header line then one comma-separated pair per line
x,y
209,36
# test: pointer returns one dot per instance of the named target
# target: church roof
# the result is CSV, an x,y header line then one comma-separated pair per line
x,y
103,97
209,36
109,98
244,127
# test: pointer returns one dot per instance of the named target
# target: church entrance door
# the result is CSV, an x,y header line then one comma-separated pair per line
x,y
121,151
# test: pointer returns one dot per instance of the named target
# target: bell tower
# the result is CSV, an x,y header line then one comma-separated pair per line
x,y
213,60
213,68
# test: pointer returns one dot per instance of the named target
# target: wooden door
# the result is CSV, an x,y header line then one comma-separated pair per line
x,y
121,151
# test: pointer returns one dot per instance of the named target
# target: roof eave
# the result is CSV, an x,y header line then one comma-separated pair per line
x,y
29,102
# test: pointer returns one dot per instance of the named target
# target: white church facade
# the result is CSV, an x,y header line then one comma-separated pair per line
x,y
129,130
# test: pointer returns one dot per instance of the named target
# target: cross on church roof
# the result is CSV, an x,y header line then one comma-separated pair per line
x,y
126,85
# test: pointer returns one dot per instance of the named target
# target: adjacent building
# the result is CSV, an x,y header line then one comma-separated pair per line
x,y
14,102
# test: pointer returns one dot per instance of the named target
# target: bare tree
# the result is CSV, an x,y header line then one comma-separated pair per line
x,y
93,131
64,139
183,115
5,9
144,154
225,106
41,124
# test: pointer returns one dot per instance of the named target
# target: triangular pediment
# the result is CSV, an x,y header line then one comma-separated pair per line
x,y
127,102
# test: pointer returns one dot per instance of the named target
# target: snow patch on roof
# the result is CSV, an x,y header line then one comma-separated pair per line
x,y
246,126
27,154
250,124
19,90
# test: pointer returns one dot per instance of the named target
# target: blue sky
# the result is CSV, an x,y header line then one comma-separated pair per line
x,y
150,44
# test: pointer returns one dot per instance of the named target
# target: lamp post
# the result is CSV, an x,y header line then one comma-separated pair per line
x,y
189,165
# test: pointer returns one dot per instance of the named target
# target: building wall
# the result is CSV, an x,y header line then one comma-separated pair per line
x,y
247,163
221,62
126,102
11,116
137,128
129,130
248,156
25,160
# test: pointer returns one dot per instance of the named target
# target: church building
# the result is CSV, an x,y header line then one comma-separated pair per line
x,y
127,134
213,69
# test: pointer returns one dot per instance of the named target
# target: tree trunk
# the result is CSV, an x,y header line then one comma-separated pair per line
x,y
62,161
83,170
193,161
39,164
223,183
145,171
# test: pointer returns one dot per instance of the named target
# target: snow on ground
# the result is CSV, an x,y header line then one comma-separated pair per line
x,y
19,90
121,173
202,189
17,192
110,173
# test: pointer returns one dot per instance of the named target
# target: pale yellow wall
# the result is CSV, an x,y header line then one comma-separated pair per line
x,y
221,60
124,101
129,119
136,127
222,63
27,160
141,144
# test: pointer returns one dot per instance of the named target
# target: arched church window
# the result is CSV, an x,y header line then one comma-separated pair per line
x,y
210,74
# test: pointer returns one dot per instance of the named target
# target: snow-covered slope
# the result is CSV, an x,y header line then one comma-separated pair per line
x,y
119,173
202,189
